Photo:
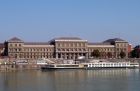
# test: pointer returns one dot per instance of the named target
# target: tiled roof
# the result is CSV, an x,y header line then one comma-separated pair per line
x,y
113,40
36,43
15,39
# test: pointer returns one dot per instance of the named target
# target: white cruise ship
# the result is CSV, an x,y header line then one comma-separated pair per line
x,y
93,65
111,65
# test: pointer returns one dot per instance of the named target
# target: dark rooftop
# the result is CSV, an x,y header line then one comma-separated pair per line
x,y
137,47
99,43
67,38
113,40
15,39
36,43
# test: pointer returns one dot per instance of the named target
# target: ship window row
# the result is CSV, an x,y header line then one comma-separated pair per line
x,y
110,64
67,66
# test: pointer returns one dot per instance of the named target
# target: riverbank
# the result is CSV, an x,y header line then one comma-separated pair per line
x,y
32,64
20,67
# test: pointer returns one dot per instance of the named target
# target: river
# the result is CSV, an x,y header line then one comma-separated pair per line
x,y
71,80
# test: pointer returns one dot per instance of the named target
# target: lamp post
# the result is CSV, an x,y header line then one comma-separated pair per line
x,y
5,65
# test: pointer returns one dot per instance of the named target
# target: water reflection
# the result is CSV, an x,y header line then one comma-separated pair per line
x,y
71,80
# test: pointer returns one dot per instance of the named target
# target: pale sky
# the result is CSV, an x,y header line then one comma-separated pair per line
x,y
93,20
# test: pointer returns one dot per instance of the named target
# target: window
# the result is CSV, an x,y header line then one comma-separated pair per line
x,y
19,49
71,45
82,45
11,45
117,45
108,49
58,45
58,49
77,44
16,50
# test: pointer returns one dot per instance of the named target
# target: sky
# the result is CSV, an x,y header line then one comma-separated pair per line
x,y
93,20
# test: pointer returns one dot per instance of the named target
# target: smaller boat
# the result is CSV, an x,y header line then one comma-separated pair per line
x,y
63,66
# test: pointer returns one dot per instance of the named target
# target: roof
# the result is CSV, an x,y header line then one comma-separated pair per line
x,y
99,43
137,47
36,43
113,40
67,38
15,39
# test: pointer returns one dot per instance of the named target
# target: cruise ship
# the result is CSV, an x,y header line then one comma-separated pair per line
x,y
93,65
111,65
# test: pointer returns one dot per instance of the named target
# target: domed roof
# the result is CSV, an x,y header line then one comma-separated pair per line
x,y
114,40
137,47
15,39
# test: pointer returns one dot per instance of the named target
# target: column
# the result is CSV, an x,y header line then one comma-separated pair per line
x,y
56,55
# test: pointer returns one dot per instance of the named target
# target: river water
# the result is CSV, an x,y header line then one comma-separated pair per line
x,y
71,80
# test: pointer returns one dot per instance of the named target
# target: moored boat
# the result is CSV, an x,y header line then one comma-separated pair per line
x,y
63,66
111,65
92,65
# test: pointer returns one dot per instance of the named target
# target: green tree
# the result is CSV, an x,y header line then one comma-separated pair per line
x,y
96,53
133,54
109,54
136,52
122,54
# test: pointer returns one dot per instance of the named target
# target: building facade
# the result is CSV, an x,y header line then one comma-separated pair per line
x,y
64,48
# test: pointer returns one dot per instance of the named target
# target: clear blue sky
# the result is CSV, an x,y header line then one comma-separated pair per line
x,y
94,20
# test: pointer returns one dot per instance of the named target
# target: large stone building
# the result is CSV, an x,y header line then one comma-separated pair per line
x,y
65,48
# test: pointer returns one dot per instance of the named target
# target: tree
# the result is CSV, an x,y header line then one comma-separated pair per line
x,y
136,52
122,54
103,54
133,54
109,54
96,53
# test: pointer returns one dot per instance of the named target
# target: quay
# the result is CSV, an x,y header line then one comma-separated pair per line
x,y
35,65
